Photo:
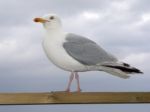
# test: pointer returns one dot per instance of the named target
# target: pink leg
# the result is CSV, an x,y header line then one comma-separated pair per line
x,y
78,82
70,81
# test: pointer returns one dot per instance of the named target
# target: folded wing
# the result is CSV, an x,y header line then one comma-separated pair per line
x,y
86,51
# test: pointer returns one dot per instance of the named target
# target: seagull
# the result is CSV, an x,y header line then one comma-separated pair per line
x,y
75,53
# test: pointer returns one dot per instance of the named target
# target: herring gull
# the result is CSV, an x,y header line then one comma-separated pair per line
x,y
75,53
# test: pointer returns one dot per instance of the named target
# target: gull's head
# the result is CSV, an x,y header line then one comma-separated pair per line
x,y
49,21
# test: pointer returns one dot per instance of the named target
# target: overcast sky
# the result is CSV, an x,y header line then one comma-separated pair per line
x,y
122,27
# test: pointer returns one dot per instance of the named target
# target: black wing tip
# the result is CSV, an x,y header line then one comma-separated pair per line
x,y
135,70
127,69
140,72
125,64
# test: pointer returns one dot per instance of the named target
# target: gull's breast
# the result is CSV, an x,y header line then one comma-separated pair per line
x,y
56,53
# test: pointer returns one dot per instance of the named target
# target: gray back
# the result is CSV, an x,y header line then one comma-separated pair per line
x,y
86,51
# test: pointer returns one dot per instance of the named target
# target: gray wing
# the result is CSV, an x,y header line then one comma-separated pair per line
x,y
86,51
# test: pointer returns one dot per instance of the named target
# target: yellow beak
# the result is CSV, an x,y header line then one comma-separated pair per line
x,y
41,20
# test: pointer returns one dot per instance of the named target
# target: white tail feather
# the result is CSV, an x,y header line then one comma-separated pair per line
x,y
116,72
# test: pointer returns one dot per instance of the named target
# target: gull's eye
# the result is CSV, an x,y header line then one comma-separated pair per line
x,y
52,17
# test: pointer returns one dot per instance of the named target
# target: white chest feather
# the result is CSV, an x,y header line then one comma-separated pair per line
x,y
53,47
